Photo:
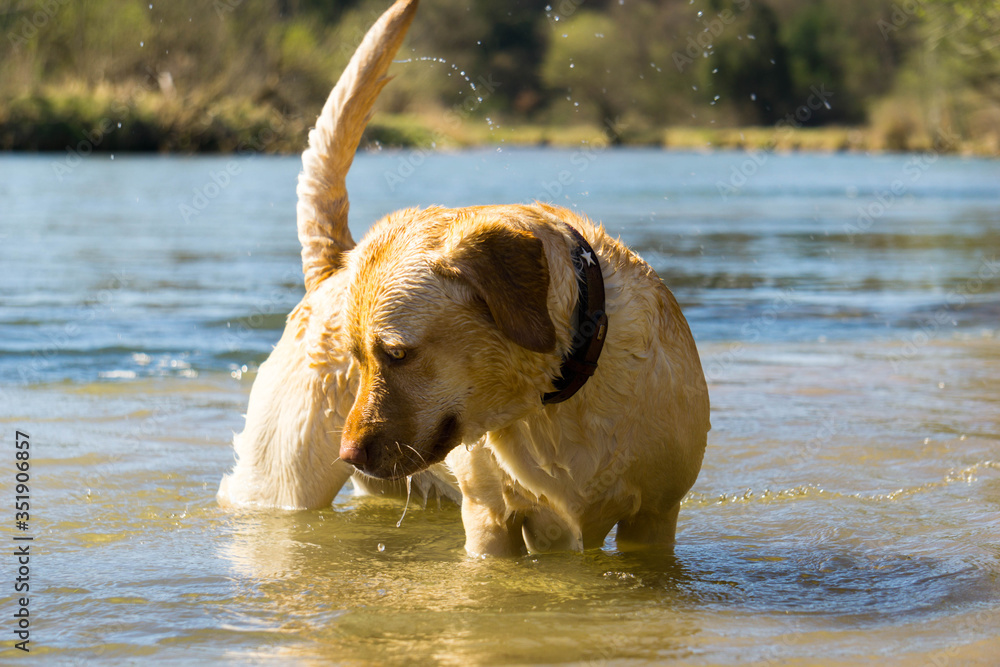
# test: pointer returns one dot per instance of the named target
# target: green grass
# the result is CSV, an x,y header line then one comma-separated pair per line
x,y
134,120
431,131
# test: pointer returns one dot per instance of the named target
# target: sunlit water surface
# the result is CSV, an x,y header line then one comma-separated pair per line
x,y
849,506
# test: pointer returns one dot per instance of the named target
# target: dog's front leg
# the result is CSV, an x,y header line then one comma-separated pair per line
x,y
545,532
288,451
488,532
491,527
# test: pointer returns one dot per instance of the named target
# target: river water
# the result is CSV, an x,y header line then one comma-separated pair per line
x,y
847,310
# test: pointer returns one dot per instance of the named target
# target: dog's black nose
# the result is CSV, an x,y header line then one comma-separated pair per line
x,y
353,452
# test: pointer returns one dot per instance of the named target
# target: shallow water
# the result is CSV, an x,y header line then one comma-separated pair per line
x,y
848,510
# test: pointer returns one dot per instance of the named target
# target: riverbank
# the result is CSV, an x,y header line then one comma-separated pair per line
x,y
442,131
101,122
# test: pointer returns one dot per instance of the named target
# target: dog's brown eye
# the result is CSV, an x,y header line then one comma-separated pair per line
x,y
396,353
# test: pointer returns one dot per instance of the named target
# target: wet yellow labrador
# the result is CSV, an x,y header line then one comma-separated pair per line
x,y
514,358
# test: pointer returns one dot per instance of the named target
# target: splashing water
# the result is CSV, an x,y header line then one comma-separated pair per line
x,y
409,488
479,97
453,66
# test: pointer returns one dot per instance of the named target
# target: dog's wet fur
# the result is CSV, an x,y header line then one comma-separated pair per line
x,y
444,327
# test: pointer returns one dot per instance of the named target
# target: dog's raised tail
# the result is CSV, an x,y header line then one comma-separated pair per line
x,y
322,191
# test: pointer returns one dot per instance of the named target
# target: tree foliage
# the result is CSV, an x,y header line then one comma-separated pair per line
x,y
693,62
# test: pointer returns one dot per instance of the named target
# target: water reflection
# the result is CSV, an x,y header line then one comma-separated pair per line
x,y
847,508
422,596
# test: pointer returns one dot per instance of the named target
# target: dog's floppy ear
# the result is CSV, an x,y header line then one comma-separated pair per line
x,y
508,270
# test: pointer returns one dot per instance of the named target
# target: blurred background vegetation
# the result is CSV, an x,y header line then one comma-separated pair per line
x,y
192,75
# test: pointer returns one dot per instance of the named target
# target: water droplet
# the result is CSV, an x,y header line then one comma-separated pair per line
x,y
381,547
142,44
119,125
700,13
753,96
571,65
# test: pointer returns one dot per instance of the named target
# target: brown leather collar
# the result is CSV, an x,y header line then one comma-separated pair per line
x,y
591,324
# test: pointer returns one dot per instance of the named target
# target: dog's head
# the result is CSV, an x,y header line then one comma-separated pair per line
x,y
448,323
